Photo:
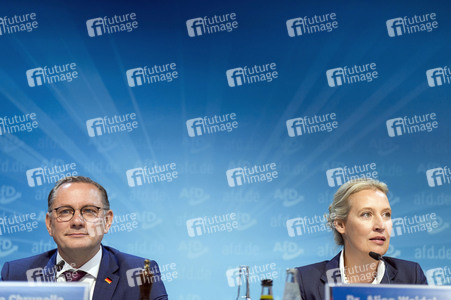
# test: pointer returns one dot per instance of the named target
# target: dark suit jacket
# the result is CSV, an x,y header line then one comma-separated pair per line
x,y
312,278
114,265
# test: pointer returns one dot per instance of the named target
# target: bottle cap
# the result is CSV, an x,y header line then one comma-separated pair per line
x,y
267,282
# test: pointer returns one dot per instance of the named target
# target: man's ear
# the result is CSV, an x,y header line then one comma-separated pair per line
x,y
108,220
48,223
340,225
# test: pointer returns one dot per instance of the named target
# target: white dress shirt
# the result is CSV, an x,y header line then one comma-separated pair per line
x,y
91,268
377,279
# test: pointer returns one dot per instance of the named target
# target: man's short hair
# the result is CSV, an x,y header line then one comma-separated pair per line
x,y
71,179
340,207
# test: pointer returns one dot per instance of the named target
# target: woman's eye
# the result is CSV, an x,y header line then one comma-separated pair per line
x,y
387,215
366,214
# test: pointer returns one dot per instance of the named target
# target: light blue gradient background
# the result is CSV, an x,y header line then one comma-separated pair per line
x,y
261,137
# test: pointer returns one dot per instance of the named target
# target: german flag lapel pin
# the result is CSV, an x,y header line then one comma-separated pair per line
x,y
108,280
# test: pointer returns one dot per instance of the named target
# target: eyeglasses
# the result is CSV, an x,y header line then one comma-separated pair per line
x,y
89,213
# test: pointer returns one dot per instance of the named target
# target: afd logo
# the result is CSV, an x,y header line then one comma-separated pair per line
x,y
235,177
35,177
438,176
195,227
438,76
35,77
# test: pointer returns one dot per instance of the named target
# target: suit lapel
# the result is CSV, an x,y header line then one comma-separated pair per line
x,y
108,266
49,271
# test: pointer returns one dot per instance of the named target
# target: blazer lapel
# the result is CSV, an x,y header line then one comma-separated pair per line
x,y
108,266
390,273
332,266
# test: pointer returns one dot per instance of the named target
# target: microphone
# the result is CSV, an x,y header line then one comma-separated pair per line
x,y
377,256
59,266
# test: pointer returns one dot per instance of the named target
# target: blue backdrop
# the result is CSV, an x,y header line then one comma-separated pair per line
x,y
221,130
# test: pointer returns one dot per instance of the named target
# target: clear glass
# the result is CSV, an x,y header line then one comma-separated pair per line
x,y
243,283
292,291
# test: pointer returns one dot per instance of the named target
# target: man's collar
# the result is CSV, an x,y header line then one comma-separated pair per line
x,y
91,266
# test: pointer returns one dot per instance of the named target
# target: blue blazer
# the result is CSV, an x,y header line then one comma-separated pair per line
x,y
312,278
114,265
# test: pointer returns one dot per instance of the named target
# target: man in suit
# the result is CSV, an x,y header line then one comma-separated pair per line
x,y
78,216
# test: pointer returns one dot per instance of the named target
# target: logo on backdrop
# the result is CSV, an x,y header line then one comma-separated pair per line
x,y
51,75
438,76
351,75
210,225
256,274
153,174
439,276
411,125
211,25
250,75
46,175
211,125
111,25
409,25
311,25
307,225
438,176
339,176
18,123
309,125
414,224
155,74
110,125
255,174
18,23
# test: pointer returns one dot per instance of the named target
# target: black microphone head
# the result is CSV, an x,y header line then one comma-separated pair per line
x,y
375,255
60,265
